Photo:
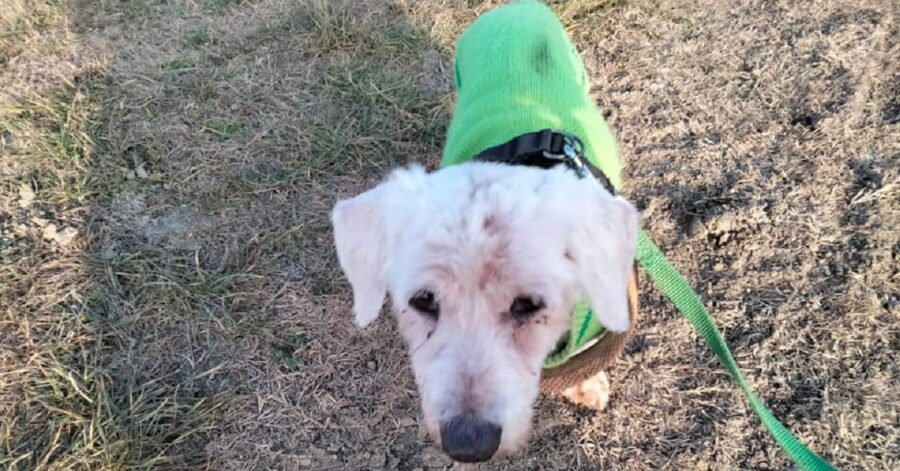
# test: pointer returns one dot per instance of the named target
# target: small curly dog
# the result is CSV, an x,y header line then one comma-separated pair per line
x,y
487,259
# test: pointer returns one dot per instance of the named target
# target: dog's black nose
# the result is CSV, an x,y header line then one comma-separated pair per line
x,y
468,439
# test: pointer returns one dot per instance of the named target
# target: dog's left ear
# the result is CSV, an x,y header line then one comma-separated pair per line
x,y
602,248
366,229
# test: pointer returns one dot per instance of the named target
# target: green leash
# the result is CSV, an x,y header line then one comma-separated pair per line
x,y
674,286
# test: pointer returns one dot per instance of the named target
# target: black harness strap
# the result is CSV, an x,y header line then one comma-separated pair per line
x,y
546,149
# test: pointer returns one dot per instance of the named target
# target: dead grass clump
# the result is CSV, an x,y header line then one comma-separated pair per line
x,y
60,408
54,404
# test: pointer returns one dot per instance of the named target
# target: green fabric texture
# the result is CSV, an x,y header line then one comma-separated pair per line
x,y
674,286
518,72
585,330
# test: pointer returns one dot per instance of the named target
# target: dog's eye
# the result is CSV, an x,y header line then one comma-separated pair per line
x,y
524,306
425,302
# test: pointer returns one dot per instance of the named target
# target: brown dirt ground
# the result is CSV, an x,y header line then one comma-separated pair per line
x,y
169,296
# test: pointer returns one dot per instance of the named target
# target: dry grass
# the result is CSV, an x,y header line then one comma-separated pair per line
x,y
168,293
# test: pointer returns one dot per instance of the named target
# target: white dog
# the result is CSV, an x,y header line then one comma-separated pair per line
x,y
484,263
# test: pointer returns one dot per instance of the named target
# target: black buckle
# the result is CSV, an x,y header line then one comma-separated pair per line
x,y
546,149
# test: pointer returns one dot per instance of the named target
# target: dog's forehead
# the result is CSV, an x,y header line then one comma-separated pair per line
x,y
493,196
486,207
487,227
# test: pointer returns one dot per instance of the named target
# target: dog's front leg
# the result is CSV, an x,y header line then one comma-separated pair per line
x,y
592,392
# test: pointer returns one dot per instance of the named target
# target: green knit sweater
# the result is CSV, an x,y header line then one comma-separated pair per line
x,y
517,72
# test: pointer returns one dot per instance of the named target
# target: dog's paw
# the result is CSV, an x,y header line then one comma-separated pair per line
x,y
592,392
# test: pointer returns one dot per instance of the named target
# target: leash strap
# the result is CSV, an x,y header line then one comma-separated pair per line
x,y
674,286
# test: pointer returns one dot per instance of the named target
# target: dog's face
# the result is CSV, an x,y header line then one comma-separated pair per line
x,y
484,264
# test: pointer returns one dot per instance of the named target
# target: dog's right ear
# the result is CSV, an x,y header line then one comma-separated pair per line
x,y
366,229
602,247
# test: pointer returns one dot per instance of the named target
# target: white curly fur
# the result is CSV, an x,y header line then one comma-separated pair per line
x,y
478,235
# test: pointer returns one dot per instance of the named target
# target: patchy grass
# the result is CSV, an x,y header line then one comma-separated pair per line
x,y
286,350
30,25
219,6
178,65
61,407
223,128
197,38
169,296
56,410
55,404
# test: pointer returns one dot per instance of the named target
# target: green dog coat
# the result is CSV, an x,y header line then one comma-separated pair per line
x,y
517,72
